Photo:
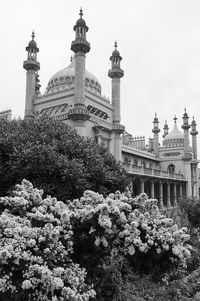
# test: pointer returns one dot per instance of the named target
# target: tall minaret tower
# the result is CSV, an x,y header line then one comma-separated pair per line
x,y
156,131
116,73
166,129
185,127
194,133
32,66
79,113
194,137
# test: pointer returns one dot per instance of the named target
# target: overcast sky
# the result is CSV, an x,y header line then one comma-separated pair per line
x,y
159,41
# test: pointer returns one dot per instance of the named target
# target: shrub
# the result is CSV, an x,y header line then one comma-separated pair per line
x,y
35,248
55,158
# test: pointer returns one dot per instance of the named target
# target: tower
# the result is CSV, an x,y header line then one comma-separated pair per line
x,y
31,65
185,127
166,129
115,73
156,131
187,157
193,133
80,46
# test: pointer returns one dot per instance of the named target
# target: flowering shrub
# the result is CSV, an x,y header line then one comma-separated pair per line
x,y
47,246
119,225
35,248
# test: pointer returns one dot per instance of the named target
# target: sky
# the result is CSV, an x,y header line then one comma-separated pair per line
x,y
159,41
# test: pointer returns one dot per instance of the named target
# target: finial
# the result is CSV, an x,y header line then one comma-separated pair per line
x,y
175,118
155,114
185,109
115,45
33,35
81,13
165,121
193,117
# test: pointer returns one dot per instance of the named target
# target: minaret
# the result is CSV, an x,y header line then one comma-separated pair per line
x,y
115,73
166,129
194,137
156,131
80,46
194,133
32,82
185,128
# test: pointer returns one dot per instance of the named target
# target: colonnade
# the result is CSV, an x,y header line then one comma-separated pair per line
x,y
165,191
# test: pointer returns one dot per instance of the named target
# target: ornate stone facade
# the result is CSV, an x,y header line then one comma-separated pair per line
x,y
73,95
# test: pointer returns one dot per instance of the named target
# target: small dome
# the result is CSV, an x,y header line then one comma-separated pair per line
x,y
174,138
80,22
65,80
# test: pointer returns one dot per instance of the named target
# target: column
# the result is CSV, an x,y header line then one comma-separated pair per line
x,y
142,185
175,195
161,194
181,192
168,196
152,190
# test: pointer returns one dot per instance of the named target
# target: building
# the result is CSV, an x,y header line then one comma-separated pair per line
x,y
73,95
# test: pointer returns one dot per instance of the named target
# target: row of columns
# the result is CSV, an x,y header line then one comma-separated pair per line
x,y
168,191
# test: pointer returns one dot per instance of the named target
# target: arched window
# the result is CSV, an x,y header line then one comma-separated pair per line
x,y
171,168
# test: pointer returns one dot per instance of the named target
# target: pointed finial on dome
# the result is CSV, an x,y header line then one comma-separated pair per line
x,y
115,45
81,13
185,110
33,35
175,119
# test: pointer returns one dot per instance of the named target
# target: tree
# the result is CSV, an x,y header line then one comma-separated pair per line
x,y
53,156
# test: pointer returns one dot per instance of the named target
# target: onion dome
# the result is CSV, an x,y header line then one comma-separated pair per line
x,y
32,44
80,21
115,52
175,138
65,80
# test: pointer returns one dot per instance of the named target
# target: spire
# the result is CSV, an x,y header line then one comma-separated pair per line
x,y
31,63
80,43
33,35
166,129
156,131
155,125
80,47
81,13
115,71
185,118
193,128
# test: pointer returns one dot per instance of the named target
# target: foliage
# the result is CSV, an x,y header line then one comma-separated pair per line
x,y
47,246
35,247
55,158
117,233
192,207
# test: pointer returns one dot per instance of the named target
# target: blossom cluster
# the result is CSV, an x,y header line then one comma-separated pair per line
x,y
35,248
130,225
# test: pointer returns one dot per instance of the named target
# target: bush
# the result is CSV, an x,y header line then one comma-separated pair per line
x,y
47,246
55,158
35,248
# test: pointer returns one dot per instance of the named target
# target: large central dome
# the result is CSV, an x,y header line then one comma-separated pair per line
x,y
65,80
